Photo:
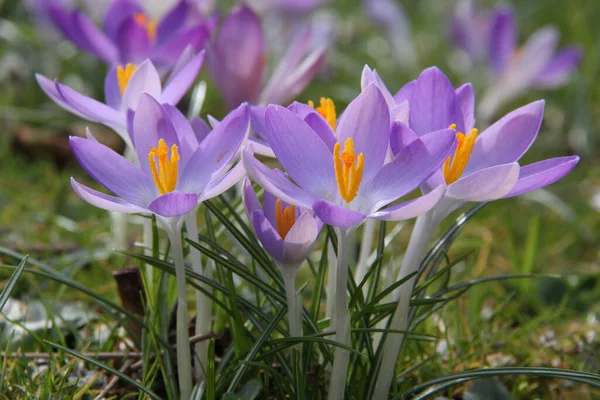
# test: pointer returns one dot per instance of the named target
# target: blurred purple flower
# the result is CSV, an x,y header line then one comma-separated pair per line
x,y
345,187
175,172
123,88
287,232
131,35
237,62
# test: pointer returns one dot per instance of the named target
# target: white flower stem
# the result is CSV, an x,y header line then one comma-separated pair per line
x,y
332,267
203,310
118,225
365,250
184,358
337,385
147,243
417,246
294,315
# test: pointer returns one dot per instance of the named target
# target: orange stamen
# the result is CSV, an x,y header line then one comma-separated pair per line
x,y
327,111
284,218
124,74
348,169
148,23
455,165
165,172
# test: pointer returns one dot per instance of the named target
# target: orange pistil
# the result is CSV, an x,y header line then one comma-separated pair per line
x,y
284,218
148,23
327,111
455,165
165,172
348,169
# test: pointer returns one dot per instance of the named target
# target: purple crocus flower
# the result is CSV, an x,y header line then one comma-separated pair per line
x,y
484,166
237,62
175,173
123,88
346,187
130,35
513,69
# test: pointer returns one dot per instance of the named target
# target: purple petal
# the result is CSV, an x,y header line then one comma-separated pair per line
x,y
173,21
503,38
272,182
187,138
150,124
300,239
261,147
216,151
270,203
367,121
144,79
257,117
267,234
134,42
543,173
112,93
201,129
104,201
113,171
400,137
225,182
401,112
405,93
180,83
487,184
316,122
465,96
558,71
412,208
250,199
170,51
97,42
371,76
301,152
433,105
64,20
118,12
174,204
336,215
508,139
411,166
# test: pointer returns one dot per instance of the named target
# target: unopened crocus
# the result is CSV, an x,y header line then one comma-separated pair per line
x,y
493,36
237,62
123,87
174,174
344,179
131,35
484,167
288,233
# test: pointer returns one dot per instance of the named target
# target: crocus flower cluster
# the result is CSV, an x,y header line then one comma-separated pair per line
x,y
492,37
131,35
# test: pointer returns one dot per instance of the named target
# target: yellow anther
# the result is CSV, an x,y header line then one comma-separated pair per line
x,y
284,218
455,165
165,172
124,75
327,111
148,23
348,169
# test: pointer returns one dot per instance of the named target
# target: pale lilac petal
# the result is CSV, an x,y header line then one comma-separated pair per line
x,y
173,21
411,166
405,93
257,116
300,239
144,79
267,235
215,152
187,138
150,124
412,208
272,182
367,121
543,173
104,201
270,203
465,95
112,92
401,136
97,42
113,171
134,42
322,129
118,12
433,104
508,139
174,204
179,84
64,20
237,58
485,185
201,129
503,38
371,76
301,152
169,52
558,71
261,147
401,112
251,202
336,215
224,183
89,108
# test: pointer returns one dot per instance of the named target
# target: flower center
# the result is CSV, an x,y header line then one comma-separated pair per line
x,y
148,23
348,169
164,171
456,164
327,111
284,218
124,75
